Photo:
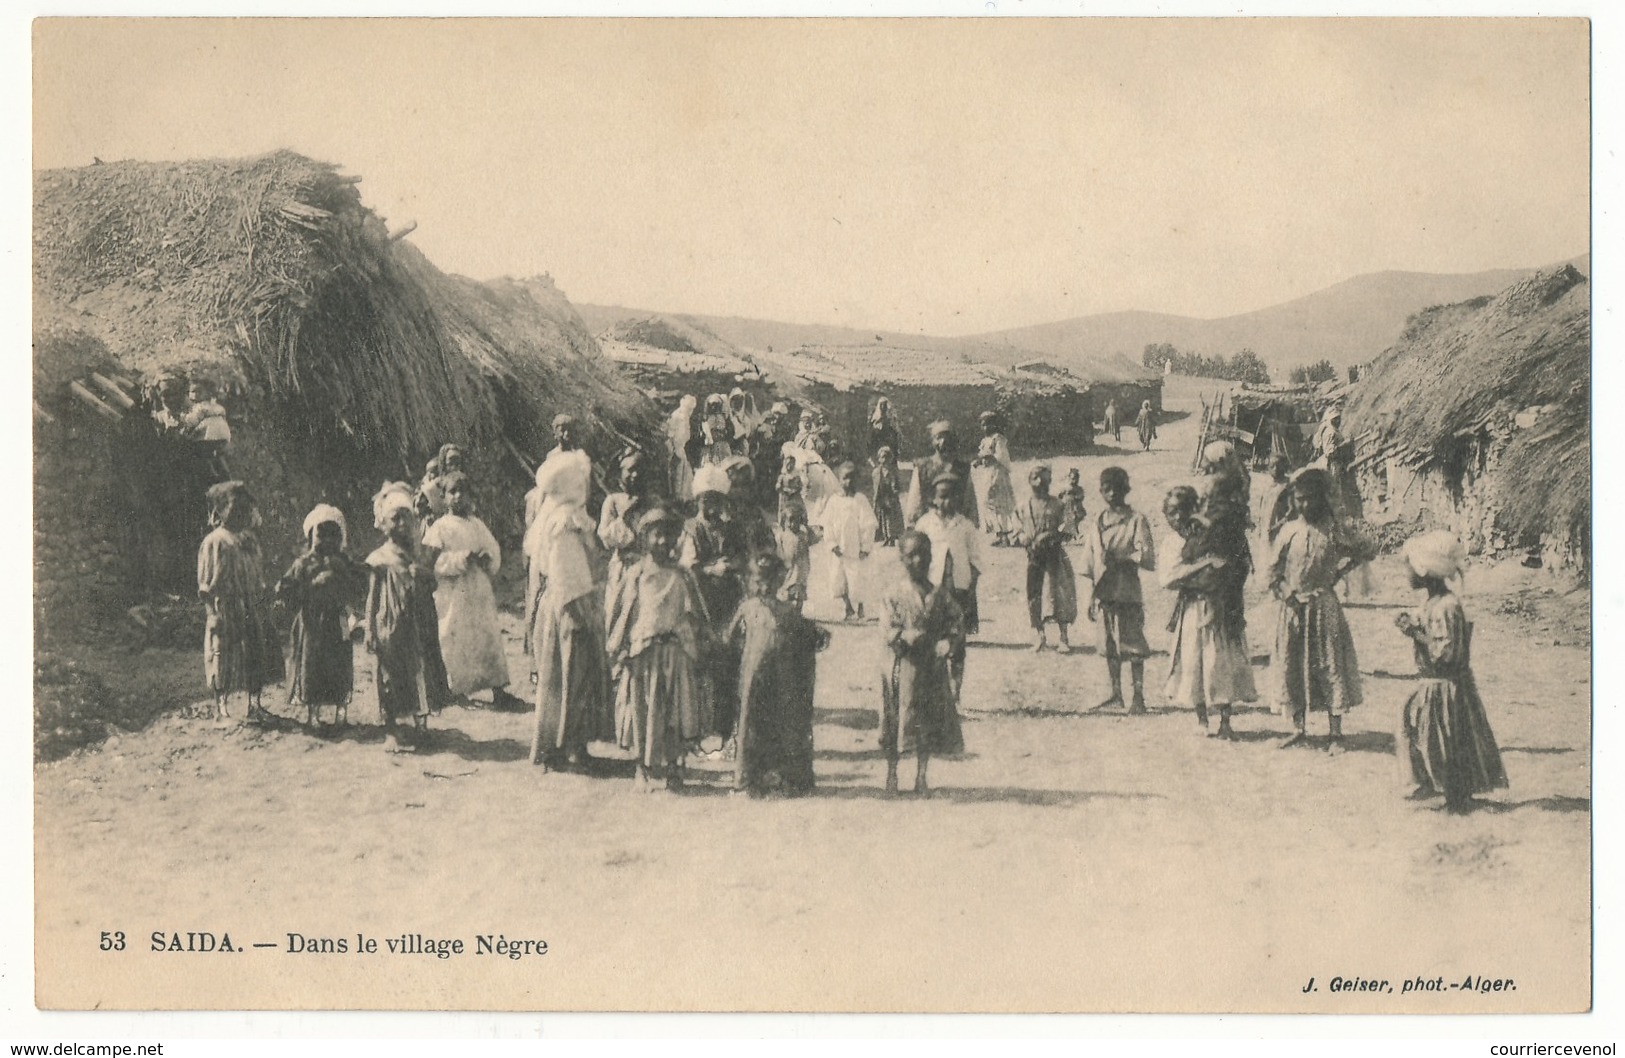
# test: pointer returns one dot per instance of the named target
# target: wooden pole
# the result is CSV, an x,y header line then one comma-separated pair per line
x,y
101,406
124,400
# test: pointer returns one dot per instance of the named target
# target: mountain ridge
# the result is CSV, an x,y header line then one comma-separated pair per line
x,y
1348,322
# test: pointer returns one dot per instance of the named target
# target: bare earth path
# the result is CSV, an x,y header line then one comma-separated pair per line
x,y
1070,861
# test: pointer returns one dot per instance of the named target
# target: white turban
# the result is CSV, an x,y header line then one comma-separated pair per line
x,y
1436,554
394,495
326,512
560,499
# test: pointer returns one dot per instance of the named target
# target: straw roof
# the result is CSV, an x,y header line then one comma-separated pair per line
x,y
887,366
1515,366
271,270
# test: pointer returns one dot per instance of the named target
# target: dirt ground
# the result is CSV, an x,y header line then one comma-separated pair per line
x,y
1069,861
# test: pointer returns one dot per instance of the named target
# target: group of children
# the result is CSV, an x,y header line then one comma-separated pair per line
x,y
657,629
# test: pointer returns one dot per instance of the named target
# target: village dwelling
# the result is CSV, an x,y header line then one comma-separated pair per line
x,y
668,359
1109,378
338,356
1478,420
1264,421
1043,414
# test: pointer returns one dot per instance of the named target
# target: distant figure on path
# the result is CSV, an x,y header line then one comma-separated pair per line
x,y
1146,425
883,432
1114,420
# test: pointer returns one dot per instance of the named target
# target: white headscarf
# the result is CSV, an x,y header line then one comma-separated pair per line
x,y
326,512
558,539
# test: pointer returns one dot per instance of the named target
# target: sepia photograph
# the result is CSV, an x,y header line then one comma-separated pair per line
x,y
786,515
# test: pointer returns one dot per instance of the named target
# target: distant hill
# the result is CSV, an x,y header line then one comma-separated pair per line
x,y
1346,323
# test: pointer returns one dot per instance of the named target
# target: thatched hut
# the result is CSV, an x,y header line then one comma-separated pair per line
x,y
1044,413
1108,378
1478,419
343,358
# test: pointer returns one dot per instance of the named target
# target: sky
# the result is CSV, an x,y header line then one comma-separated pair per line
x,y
936,176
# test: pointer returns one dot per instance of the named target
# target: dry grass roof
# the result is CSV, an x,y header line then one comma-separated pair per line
x,y
270,270
887,366
1488,364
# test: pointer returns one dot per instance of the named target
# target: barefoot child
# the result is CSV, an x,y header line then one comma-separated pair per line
x,y
1117,545
1072,506
956,557
849,528
320,590
1208,663
922,629
790,485
402,628
656,625
778,662
1445,742
566,629
465,556
1039,521
1314,662
240,649
888,491
714,550
792,543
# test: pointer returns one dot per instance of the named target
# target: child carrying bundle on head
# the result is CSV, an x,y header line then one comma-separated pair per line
x,y
402,626
888,505
777,672
240,649
1117,545
1445,743
922,629
849,528
465,557
1039,523
321,590
1313,665
657,623
1208,664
